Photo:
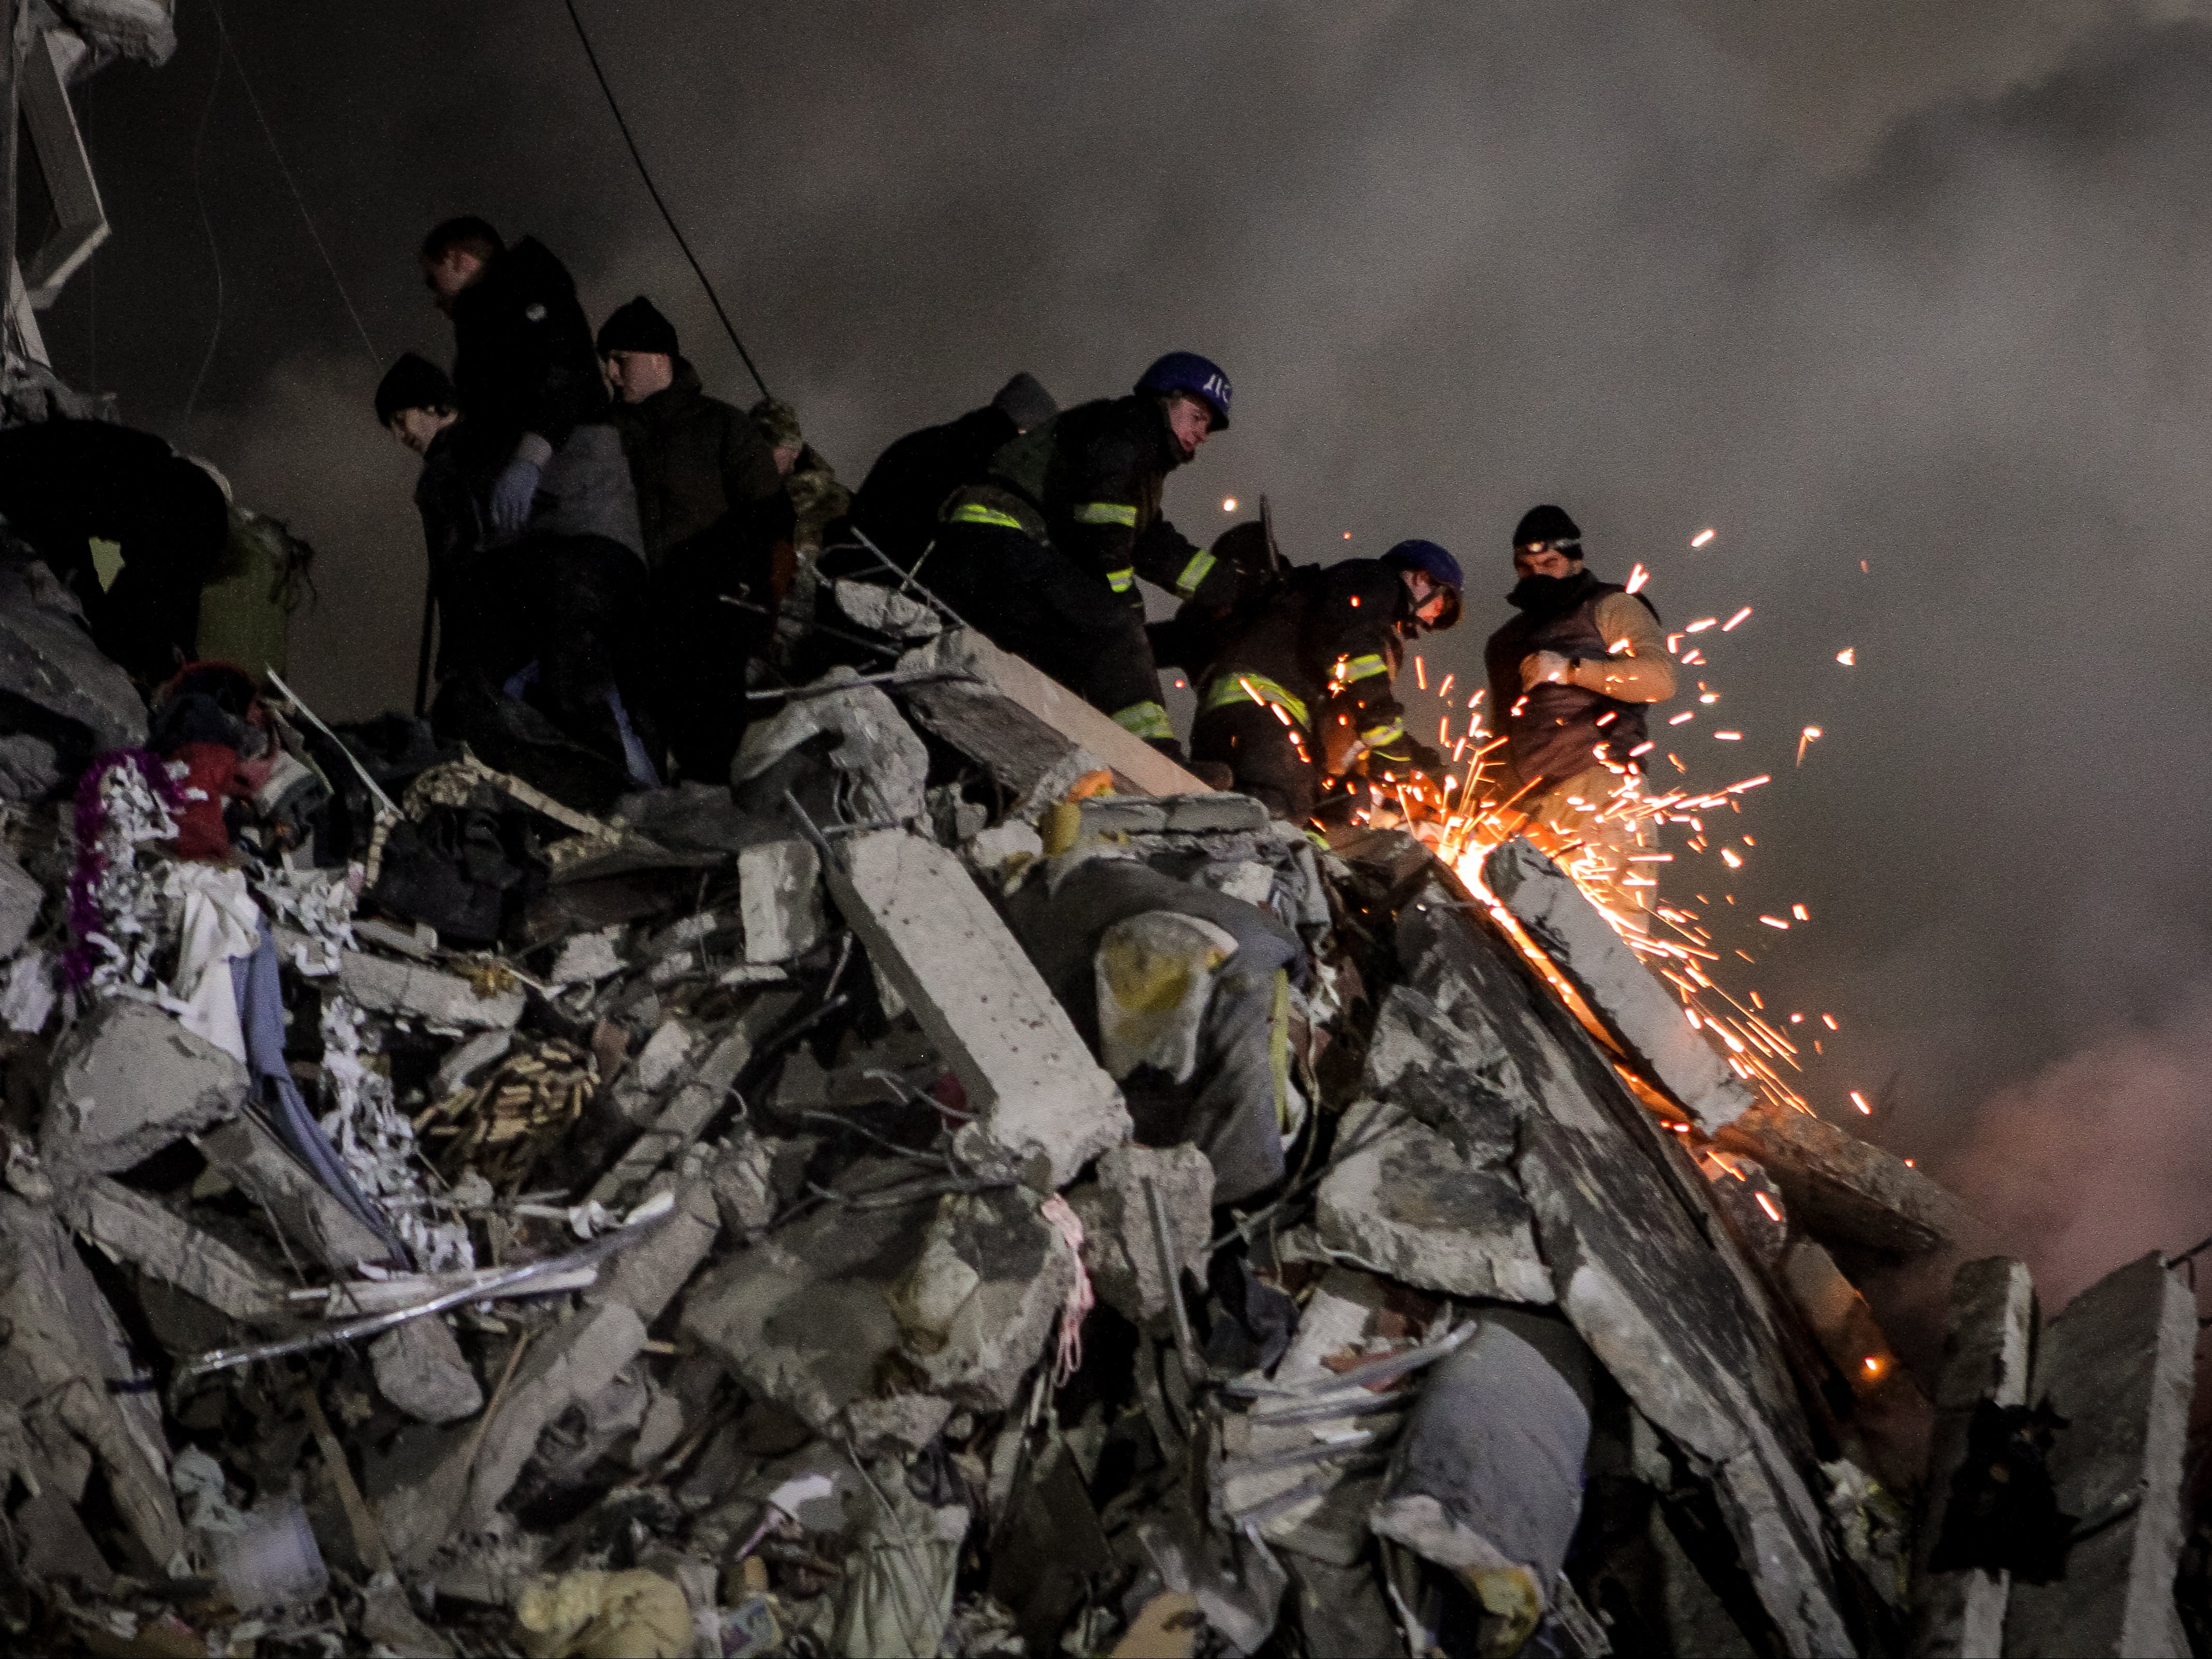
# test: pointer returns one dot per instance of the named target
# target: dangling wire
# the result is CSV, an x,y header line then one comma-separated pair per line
x,y
245,79
614,109
207,224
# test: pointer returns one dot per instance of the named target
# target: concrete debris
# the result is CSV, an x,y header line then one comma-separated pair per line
x,y
1039,1100
2117,1366
1636,1007
129,1080
959,1186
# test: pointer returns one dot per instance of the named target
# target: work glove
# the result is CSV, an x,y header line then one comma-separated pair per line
x,y
512,492
1545,668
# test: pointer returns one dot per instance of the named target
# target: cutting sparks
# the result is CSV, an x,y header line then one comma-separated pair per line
x,y
1860,1101
1848,656
1810,734
1728,626
1703,537
1637,578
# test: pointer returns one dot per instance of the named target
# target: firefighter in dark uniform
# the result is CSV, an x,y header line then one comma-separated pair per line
x,y
1044,556
1305,680
1570,678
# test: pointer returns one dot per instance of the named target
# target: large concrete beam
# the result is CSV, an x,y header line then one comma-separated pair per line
x,y
969,716
1641,1014
2118,1364
1037,1094
1960,1616
1842,1189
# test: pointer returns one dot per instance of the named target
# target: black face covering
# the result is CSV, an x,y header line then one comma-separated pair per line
x,y
1545,597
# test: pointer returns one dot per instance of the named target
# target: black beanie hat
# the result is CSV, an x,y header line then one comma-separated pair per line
x,y
1546,524
413,382
638,327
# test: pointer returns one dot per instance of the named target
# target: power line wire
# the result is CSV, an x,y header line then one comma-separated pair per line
x,y
614,109
375,362
207,224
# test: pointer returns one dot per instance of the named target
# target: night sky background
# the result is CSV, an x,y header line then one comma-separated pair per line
x,y
1920,287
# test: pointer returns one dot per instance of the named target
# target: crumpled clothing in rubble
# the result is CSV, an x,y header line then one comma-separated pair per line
x,y
1234,1099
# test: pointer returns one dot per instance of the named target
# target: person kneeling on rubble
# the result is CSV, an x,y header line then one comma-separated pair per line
x,y
1043,557
718,535
132,528
1570,678
1184,992
541,616
1306,680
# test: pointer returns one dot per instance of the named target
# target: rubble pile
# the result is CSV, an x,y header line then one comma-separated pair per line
x,y
963,1188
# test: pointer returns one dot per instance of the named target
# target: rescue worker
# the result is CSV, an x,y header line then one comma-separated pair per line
x,y
811,482
717,531
1570,678
164,520
1043,556
1305,682
897,504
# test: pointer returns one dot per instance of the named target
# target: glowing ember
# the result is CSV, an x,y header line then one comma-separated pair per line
x,y
1703,537
1687,714
1767,1205
1728,736
1810,734
1860,1101
1776,921
1730,625
1637,578
1700,625
1229,505
1848,656
1800,912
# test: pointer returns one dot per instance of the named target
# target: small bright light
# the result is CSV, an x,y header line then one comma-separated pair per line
x,y
1848,656
1860,1101
1703,537
1229,505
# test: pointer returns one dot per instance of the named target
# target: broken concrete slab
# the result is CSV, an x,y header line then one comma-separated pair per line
x,y
48,661
1031,758
1842,1189
1635,1006
693,1105
419,1368
134,1227
588,957
2117,1366
1039,1099
1138,768
1119,1243
646,1276
461,1065
978,1305
883,767
386,987
250,1157
1961,1614
129,1081
1838,1316
779,897
1407,1203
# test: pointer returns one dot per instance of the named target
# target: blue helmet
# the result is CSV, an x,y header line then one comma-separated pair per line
x,y
1441,568
1186,371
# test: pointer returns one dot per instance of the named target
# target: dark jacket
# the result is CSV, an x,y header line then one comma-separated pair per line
x,y
696,460
897,504
1328,636
523,358
1553,731
1096,472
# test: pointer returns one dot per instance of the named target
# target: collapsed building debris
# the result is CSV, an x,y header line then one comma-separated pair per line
x,y
964,1188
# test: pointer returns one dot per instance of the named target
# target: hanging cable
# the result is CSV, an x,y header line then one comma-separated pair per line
x,y
614,109
207,224
230,51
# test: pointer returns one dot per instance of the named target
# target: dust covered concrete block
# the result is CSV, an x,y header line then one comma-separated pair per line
x,y
2117,1366
780,899
129,1080
1640,1010
48,659
385,987
19,898
419,1368
136,1229
978,1305
567,1366
1960,1615
1842,1189
1410,1204
1120,1247
1038,1096
251,1158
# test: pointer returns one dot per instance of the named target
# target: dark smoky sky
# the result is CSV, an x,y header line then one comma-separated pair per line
x,y
1920,287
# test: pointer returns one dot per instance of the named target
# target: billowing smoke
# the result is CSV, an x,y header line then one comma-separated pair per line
x,y
1909,303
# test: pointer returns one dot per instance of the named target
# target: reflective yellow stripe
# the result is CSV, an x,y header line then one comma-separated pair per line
x,y
1105,512
1145,719
1121,581
1240,686
974,512
1194,574
1376,736
1363,668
